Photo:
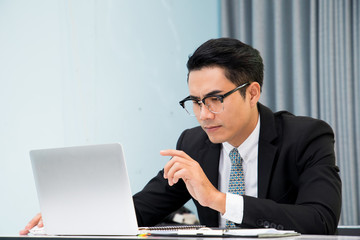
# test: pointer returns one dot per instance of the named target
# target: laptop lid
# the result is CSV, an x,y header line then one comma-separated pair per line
x,y
84,190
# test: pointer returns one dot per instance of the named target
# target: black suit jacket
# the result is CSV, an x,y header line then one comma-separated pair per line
x,y
299,187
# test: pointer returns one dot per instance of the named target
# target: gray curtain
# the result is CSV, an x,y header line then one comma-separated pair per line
x,y
312,60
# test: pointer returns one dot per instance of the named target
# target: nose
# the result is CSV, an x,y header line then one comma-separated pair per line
x,y
205,113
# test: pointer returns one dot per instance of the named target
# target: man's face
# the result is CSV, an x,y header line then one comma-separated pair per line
x,y
239,117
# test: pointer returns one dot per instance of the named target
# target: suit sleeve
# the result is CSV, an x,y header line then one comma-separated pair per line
x,y
314,197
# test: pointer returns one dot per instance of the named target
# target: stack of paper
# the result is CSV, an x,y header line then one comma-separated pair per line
x,y
257,232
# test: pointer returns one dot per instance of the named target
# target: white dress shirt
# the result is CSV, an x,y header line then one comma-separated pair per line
x,y
249,152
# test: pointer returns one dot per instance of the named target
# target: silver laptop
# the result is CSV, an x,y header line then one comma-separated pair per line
x,y
84,190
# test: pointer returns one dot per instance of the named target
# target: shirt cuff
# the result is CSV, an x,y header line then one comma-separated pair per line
x,y
234,209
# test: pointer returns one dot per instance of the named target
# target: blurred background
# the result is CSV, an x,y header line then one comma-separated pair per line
x,y
90,72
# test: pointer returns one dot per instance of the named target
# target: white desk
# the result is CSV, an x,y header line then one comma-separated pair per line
x,y
307,237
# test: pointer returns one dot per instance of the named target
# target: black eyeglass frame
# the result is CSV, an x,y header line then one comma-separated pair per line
x,y
220,97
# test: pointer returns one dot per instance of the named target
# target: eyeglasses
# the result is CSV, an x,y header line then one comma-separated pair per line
x,y
213,102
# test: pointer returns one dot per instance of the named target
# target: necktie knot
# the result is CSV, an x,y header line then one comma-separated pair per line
x,y
235,157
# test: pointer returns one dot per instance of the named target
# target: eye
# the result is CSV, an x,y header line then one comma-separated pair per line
x,y
212,100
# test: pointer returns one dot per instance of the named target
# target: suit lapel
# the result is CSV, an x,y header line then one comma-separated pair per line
x,y
265,163
211,155
267,151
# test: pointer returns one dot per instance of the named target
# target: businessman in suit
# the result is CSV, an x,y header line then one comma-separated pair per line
x,y
291,180
287,177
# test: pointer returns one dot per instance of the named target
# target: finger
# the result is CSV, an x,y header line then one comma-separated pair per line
x,y
41,223
24,232
175,160
33,222
178,171
173,153
37,220
180,174
167,167
171,169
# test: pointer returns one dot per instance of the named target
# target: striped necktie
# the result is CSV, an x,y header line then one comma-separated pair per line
x,y
237,180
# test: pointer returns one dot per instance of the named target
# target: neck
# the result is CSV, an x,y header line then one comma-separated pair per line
x,y
250,128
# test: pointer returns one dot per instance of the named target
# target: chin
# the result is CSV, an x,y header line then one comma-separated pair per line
x,y
216,140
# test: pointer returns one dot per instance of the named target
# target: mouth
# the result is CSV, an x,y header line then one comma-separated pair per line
x,y
210,129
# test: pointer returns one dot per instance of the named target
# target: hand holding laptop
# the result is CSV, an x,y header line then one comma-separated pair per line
x,y
36,221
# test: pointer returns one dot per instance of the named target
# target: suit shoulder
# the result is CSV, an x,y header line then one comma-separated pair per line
x,y
301,129
300,123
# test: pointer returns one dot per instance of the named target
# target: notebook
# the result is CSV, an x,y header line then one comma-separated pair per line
x,y
84,190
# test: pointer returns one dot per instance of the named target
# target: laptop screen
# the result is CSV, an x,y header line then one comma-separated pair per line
x,y
84,190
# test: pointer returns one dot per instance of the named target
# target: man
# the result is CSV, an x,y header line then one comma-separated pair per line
x,y
286,164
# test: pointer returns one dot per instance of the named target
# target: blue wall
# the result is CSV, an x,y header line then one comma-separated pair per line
x,y
89,72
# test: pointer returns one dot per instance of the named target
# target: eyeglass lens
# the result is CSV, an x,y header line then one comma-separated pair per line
x,y
213,104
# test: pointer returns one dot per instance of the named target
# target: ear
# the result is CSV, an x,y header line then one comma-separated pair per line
x,y
254,91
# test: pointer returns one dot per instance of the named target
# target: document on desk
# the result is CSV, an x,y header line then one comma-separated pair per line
x,y
260,232
213,232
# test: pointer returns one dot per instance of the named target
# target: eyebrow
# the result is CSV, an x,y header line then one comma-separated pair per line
x,y
212,93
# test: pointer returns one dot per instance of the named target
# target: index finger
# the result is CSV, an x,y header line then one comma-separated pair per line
x,y
173,153
35,221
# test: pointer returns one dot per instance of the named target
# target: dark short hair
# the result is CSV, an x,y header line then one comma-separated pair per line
x,y
241,62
